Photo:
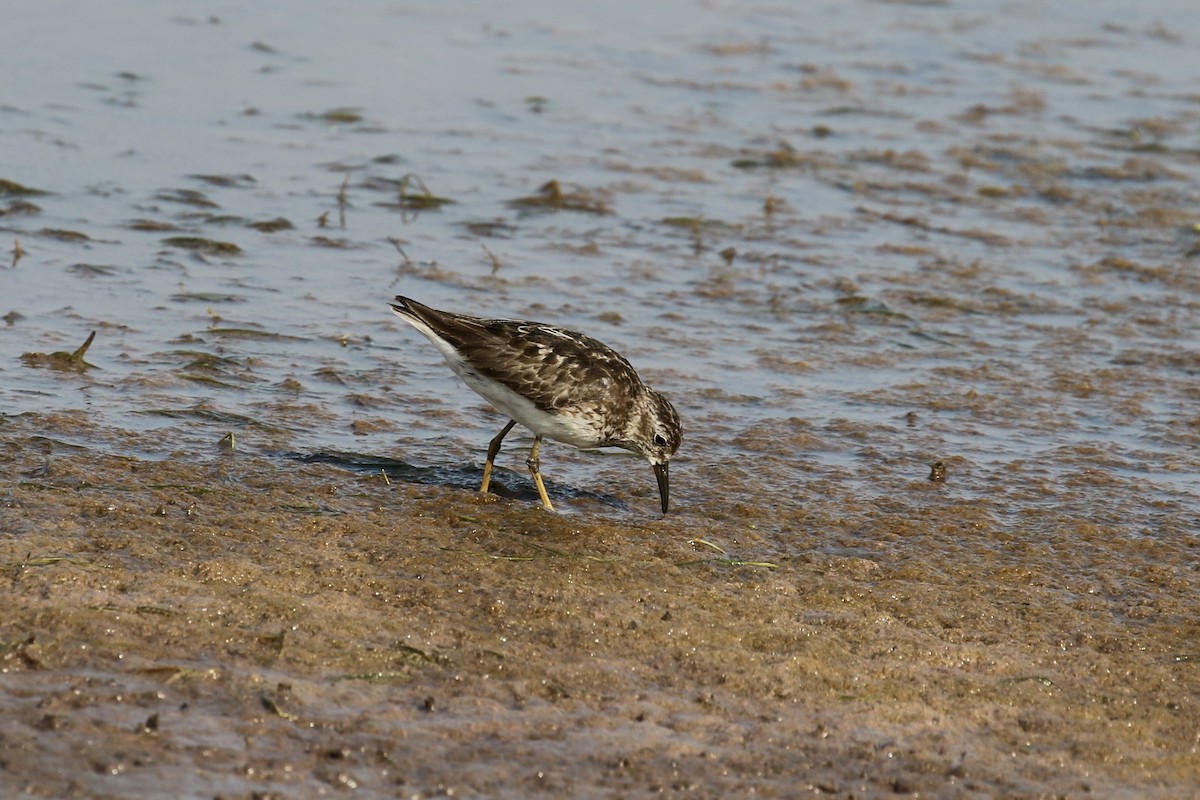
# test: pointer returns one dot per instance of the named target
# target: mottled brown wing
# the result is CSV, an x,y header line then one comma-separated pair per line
x,y
555,368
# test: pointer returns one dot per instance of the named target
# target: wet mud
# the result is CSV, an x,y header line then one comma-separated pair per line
x,y
251,627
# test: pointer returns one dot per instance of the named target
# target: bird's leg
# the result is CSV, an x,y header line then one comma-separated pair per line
x,y
533,464
493,449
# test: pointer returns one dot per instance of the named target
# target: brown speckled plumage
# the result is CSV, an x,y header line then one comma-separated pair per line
x,y
581,391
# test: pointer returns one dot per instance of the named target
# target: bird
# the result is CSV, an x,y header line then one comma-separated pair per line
x,y
558,383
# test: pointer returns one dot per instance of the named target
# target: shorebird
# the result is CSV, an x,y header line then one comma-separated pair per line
x,y
559,384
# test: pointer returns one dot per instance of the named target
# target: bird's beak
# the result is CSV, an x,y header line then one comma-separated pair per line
x,y
664,488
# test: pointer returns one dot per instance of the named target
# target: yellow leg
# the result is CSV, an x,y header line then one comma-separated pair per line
x,y
533,464
493,449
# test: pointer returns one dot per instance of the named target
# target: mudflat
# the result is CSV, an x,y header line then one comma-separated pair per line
x,y
242,626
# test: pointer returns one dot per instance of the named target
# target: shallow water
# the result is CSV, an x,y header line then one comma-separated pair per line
x,y
849,240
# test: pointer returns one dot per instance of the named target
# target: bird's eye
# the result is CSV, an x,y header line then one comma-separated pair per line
x,y
659,441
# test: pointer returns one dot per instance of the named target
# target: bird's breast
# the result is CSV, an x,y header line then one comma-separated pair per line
x,y
576,427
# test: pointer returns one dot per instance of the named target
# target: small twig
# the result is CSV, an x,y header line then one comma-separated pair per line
x,y
406,215
341,200
396,244
83,348
492,256
412,177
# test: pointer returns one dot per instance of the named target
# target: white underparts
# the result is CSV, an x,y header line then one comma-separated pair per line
x,y
569,429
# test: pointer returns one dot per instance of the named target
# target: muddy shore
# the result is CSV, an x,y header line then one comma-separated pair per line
x,y
242,627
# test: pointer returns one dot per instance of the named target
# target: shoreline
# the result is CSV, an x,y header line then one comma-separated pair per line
x,y
242,625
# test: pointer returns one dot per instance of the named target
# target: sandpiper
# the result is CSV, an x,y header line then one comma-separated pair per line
x,y
558,383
